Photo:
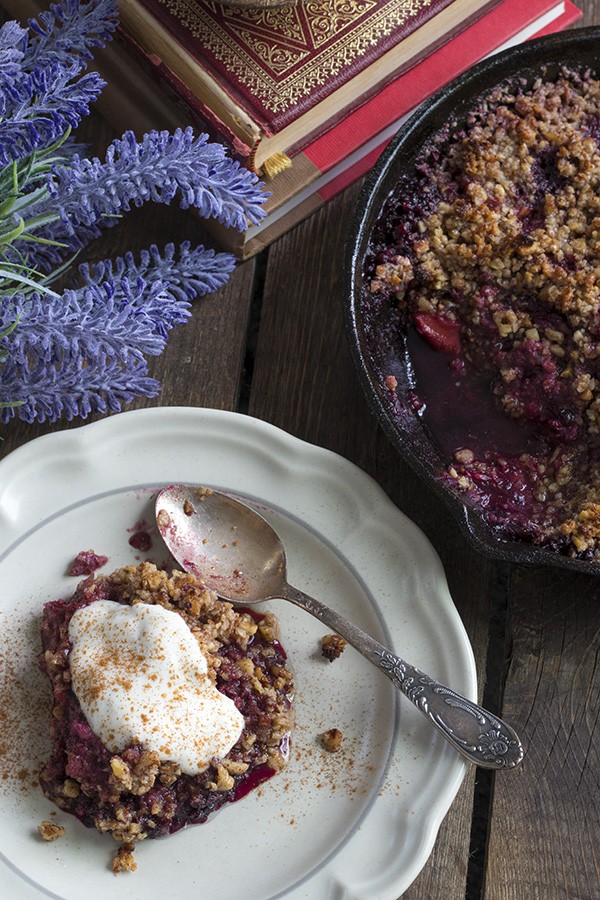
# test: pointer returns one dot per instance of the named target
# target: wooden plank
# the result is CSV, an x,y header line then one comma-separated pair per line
x,y
591,13
546,815
304,381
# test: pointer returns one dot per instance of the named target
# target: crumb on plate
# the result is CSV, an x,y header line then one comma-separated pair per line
x,y
123,860
332,646
332,740
49,831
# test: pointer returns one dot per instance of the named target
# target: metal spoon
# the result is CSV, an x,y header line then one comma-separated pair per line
x,y
236,553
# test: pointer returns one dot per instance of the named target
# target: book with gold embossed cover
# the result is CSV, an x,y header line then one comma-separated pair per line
x,y
276,75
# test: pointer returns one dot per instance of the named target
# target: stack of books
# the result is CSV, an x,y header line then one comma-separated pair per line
x,y
277,76
307,95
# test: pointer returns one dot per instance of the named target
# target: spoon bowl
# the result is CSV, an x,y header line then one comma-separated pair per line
x,y
235,552
227,545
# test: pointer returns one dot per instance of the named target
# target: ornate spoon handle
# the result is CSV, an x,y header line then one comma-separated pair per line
x,y
477,734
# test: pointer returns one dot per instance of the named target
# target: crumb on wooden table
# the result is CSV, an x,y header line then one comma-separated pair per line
x,y
49,831
332,739
332,646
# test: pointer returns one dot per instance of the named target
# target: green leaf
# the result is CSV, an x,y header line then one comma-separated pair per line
x,y
22,279
23,201
7,237
10,328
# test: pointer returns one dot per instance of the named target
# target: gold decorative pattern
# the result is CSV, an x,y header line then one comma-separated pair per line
x,y
325,23
270,20
282,54
279,59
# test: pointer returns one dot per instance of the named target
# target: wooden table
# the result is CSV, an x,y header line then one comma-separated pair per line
x,y
272,344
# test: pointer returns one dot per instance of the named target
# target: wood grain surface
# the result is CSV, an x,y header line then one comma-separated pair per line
x,y
272,343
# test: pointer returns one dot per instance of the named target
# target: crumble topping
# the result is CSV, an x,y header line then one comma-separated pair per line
x,y
49,831
332,740
491,254
133,793
123,860
332,646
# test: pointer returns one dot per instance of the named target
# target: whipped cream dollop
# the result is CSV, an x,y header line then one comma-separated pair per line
x,y
140,677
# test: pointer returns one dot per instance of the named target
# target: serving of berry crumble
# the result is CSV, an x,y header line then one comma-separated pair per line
x,y
167,703
487,259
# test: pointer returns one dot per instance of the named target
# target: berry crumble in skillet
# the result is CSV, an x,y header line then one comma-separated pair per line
x,y
168,703
487,261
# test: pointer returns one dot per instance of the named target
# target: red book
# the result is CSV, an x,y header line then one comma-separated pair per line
x,y
342,155
275,75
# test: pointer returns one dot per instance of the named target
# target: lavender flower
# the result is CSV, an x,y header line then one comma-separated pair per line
x,y
39,108
88,194
188,274
68,31
74,389
82,350
87,339
39,96
11,54
158,168
108,319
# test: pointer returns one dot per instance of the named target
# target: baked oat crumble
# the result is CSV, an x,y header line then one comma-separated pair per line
x,y
123,860
133,794
332,740
50,831
332,646
491,254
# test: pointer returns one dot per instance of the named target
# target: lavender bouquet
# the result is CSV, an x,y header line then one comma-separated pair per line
x,y
85,349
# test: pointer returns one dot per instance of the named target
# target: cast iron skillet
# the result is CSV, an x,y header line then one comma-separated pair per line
x,y
378,351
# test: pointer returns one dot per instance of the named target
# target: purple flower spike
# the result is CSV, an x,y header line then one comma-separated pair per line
x,y
161,167
82,346
69,30
85,350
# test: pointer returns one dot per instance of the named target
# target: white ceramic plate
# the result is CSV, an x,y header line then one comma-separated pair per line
x,y
355,824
